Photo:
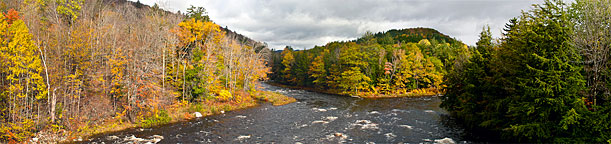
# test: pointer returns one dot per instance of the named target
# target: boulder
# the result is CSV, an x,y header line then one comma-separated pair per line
x,y
338,134
197,114
445,141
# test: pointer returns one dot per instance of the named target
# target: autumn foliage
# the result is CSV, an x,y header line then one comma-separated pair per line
x,y
21,84
372,67
78,66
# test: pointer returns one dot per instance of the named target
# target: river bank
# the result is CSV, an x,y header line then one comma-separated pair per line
x,y
314,118
177,113
369,95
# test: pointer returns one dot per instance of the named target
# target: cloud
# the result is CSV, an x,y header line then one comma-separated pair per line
x,y
303,24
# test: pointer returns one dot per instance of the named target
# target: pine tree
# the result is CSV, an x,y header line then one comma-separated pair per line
x,y
469,94
546,81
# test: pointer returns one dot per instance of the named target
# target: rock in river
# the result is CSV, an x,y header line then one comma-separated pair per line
x,y
445,141
197,114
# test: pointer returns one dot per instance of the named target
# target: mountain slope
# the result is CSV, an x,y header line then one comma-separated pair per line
x,y
395,63
412,35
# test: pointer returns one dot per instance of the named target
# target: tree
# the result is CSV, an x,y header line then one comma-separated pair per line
x,y
287,62
470,94
198,13
22,85
197,54
593,39
69,8
433,73
352,78
353,81
547,81
317,69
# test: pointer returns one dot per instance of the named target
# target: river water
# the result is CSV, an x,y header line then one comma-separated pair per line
x,y
314,118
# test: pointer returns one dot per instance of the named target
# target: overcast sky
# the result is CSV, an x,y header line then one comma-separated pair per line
x,y
305,23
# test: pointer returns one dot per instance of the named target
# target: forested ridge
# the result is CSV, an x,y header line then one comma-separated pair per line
x,y
72,68
406,62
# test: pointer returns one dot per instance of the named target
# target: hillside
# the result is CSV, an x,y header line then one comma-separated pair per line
x,y
405,62
70,69
412,35
244,40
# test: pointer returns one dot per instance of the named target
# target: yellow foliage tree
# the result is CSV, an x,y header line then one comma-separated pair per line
x,y
317,69
196,70
22,85
69,8
287,61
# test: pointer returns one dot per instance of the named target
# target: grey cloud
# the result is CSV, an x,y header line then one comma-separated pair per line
x,y
303,24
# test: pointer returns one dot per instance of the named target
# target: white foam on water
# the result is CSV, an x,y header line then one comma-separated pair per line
x,y
330,118
406,126
134,139
429,111
366,125
397,110
395,118
371,126
363,121
242,137
390,135
319,121
341,137
392,114
445,141
374,112
240,116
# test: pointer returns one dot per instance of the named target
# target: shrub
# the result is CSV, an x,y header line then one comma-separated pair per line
x,y
157,119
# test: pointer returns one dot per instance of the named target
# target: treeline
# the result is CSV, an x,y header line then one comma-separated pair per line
x,y
546,80
394,63
70,64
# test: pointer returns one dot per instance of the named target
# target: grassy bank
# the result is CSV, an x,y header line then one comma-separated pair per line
x,y
308,89
275,98
178,112
414,93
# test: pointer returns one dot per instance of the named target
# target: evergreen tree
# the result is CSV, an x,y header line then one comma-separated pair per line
x,y
547,81
468,85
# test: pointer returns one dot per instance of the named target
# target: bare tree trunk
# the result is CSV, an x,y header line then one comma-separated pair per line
x,y
44,62
592,38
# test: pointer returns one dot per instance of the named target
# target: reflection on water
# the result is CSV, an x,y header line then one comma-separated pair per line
x,y
314,118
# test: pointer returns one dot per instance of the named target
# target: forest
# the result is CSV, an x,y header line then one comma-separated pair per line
x,y
72,68
406,62
546,80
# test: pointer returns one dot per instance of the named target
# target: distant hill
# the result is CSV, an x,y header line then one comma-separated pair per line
x,y
244,40
410,35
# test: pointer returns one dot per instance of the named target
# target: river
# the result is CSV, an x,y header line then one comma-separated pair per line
x,y
314,118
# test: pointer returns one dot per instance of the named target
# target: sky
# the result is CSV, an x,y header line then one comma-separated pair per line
x,y
303,24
